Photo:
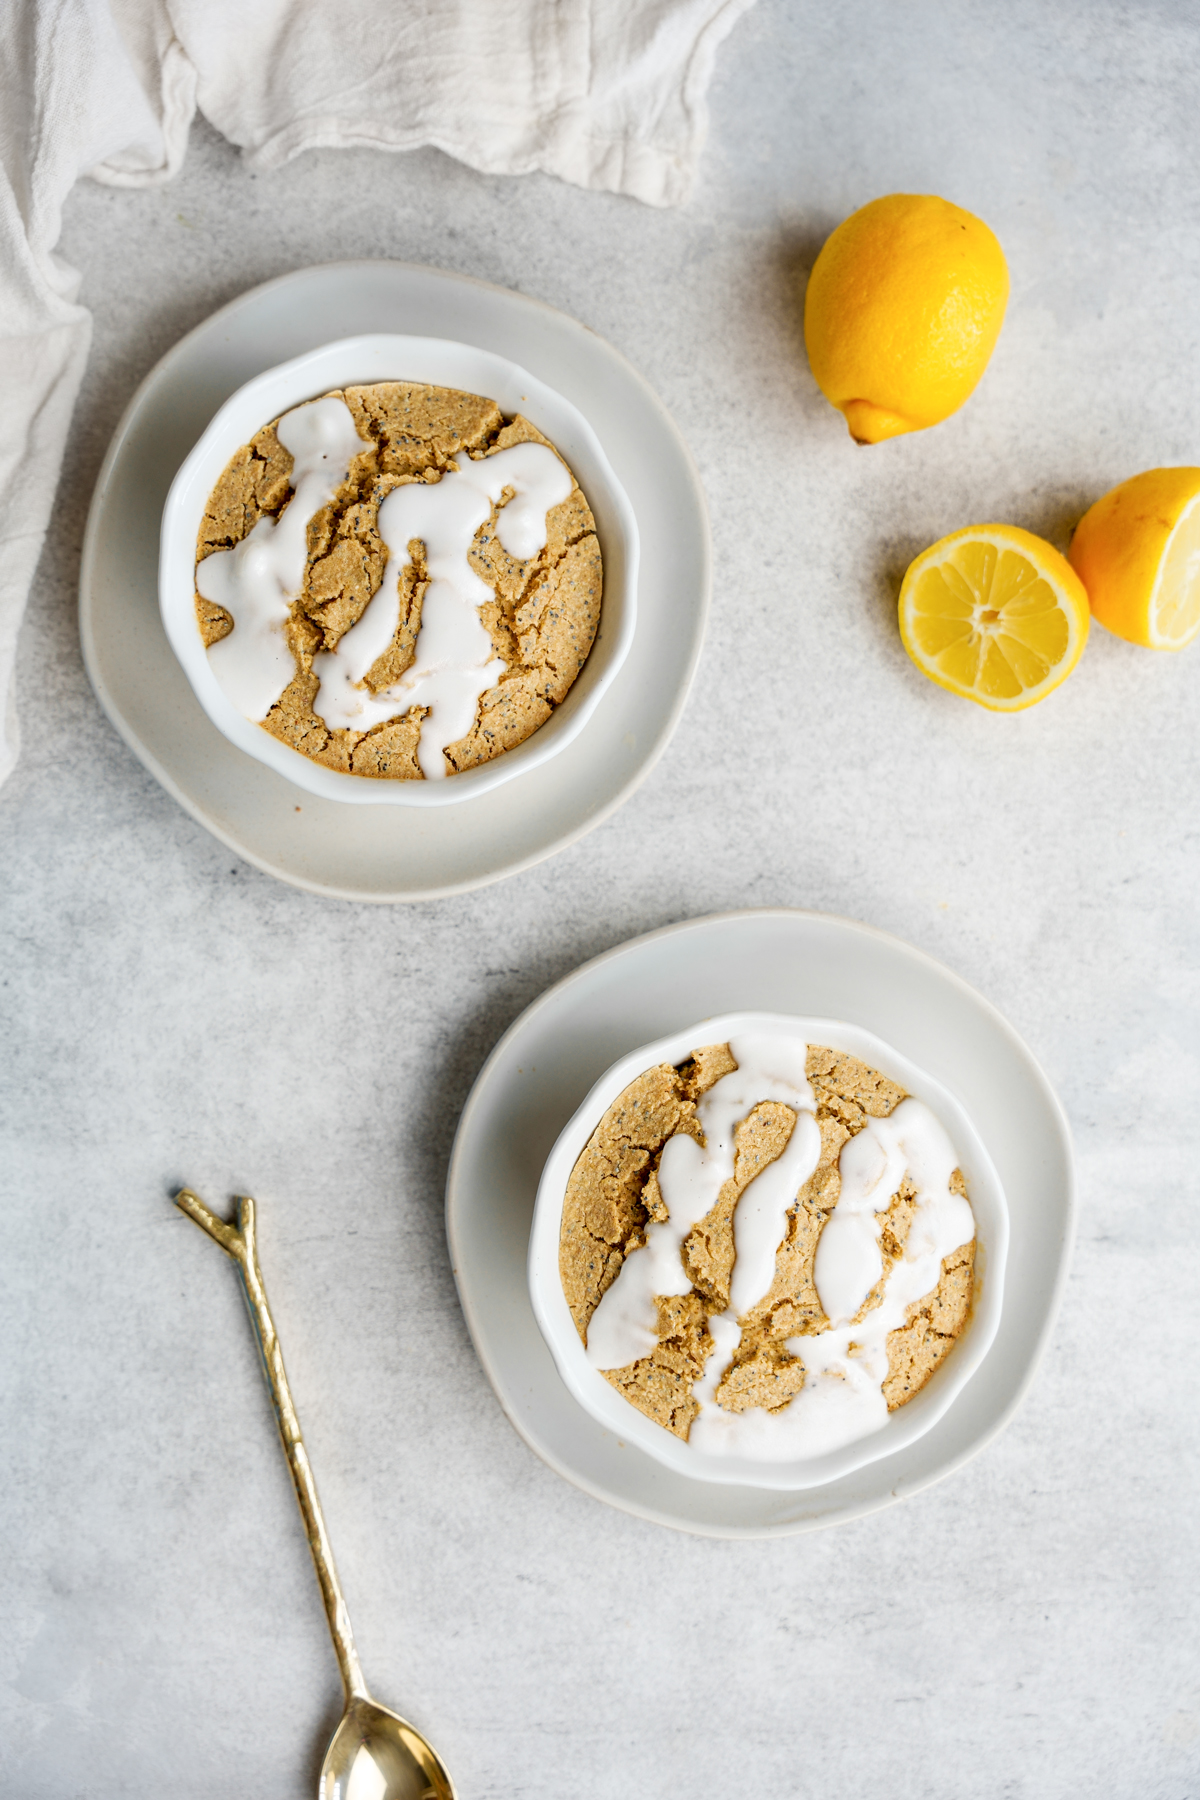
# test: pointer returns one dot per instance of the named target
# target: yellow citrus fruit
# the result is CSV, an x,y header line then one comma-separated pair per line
x,y
995,614
1137,552
903,309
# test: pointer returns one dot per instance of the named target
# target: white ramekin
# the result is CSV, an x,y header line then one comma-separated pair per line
x,y
904,1425
392,358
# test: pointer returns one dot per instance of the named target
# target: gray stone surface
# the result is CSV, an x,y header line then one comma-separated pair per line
x,y
1029,1627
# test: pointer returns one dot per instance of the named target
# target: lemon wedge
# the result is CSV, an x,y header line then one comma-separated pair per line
x,y
995,614
1137,551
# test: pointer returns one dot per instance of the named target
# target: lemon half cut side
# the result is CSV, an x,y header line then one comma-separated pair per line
x,y
1138,553
995,614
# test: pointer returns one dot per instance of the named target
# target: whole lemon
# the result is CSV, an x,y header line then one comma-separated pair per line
x,y
904,306
1137,552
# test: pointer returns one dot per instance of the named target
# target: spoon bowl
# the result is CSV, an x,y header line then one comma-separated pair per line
x,y
376,1755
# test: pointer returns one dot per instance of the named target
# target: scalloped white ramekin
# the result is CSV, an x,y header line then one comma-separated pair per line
x,y
384,357
904,1425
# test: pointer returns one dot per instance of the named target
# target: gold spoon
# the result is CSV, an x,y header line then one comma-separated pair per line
x,y
374,1754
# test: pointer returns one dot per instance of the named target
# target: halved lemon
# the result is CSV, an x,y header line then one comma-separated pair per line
x,y
1138,553
995,614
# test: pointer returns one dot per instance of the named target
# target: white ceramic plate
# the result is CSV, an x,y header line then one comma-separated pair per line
x,y
373,852
383,356
904,1425
777,961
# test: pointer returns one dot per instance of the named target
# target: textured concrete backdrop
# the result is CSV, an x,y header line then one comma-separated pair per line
x,y
1026,1629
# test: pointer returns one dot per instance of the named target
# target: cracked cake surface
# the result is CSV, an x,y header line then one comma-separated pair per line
x,y
542,616
613,1194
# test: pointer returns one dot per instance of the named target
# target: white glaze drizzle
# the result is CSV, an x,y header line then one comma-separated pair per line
x,y
690,1177
259,578
453,664
845,1365
849,1261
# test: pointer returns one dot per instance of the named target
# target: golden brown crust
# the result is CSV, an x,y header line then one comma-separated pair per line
x,y
613,1192
543,620
605,1208
660,1385
254,486
928,1334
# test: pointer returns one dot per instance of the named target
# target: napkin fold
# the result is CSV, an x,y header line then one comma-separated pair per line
x,y
606,94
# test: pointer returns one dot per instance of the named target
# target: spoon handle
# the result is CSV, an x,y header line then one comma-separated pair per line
x,y
240,1243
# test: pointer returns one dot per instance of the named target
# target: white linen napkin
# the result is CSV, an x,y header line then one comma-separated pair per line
x,y
603,93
